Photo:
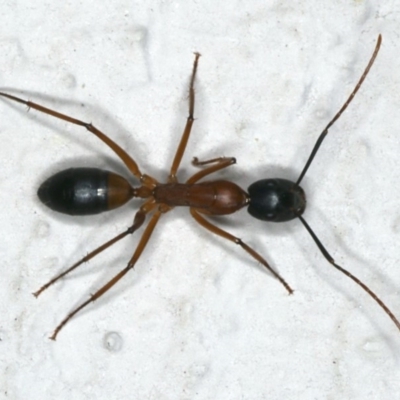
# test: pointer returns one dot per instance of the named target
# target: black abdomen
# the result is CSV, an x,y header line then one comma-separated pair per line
x,y
84,191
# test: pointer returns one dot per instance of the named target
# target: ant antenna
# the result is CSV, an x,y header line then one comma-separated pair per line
x,y
339,113
347,273
311,158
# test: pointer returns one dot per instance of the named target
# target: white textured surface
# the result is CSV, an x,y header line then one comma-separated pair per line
x,y
197,319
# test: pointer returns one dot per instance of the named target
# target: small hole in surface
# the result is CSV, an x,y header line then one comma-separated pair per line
x,y
112,341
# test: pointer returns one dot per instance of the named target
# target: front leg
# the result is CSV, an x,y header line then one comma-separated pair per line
x,y
226,235
220,163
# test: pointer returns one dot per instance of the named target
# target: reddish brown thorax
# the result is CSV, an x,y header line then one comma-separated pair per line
x,y
212,197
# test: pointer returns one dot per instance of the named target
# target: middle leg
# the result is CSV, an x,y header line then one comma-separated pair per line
x,y
186,133
138,221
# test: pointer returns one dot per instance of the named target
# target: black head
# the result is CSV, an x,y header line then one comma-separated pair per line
x,y
276,200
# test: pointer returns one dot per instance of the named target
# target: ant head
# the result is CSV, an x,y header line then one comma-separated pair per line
x,y
276,200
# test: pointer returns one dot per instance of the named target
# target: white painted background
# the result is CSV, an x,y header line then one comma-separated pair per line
x,y
198,319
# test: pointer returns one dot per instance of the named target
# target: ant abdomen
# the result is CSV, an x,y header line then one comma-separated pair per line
x,y
276,200
85,191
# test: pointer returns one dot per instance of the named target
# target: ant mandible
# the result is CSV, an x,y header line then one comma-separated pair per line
x,y
86,191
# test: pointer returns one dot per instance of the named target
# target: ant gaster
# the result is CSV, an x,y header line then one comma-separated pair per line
x,y
85,191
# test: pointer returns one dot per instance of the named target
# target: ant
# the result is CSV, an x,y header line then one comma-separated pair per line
x,y
86,191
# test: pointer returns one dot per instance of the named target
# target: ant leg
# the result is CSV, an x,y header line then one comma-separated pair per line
x,y
186,133
348,274
122,154
220,163
138,221
220,232
136,255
